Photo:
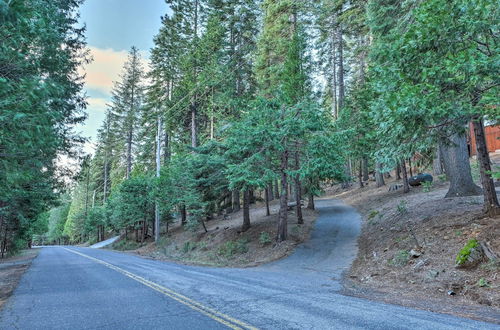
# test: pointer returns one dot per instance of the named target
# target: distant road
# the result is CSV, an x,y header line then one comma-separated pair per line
x,y
82,288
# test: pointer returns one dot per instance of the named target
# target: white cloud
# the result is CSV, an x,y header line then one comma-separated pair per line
x,y
105,68
98,104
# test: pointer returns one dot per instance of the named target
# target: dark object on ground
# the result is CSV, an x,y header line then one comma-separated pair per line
x,y
419,178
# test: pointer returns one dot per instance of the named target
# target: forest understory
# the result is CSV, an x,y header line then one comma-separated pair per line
x,y
224,245
409,244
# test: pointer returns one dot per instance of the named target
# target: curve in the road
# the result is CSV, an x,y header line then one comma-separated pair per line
x,y
65,290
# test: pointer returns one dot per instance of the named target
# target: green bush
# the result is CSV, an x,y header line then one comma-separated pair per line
x,y
125,245
464,254
373,214
227,249
242,245
400,258
264,238
402,207
427,186
230,248
188,246
483,283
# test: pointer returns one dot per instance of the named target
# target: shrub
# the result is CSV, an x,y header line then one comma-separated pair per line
x,y
264,238
483,283
402,207
373,214
227,249
464,254
400,258
427,186
242,245
188,246
230,248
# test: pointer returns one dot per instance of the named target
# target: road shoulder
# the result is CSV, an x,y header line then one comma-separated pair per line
x,y
11,271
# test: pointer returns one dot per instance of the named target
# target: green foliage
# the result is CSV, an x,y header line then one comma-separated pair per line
x,y
483,283
188,246
464,253
41,97
264,238
402,207
126,245
400,259
230,248
427,186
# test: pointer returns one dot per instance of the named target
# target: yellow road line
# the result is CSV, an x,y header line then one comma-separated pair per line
x,y
213,314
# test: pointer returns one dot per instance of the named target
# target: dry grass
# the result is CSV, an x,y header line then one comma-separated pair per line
x,y
11,270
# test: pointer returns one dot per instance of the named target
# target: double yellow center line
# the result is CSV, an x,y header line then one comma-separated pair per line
x,y
211,313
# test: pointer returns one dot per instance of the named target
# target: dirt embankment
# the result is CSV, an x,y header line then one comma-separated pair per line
x,y
224,245
408,248
11,270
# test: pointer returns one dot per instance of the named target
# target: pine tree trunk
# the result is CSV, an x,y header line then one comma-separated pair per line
x,y
298,190
457,167
398,171
193,126
105,184
310,202
360,174
491,206
341,68
270,191
366,175
236,200
276,189
379,177
129,154
437,164
334,77
246,211
251,196
266,192
409,165
183,215
166,144
282,233
406,186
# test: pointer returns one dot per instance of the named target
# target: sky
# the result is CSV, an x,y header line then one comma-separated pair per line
x,y
113,27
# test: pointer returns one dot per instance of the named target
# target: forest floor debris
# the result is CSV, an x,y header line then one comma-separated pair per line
x,y
224,245
11,270
408,249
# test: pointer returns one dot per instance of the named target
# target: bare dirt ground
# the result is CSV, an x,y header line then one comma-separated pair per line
x,y
11,270
436,229
224,245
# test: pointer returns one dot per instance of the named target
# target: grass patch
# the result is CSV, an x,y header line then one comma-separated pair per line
x,y
125,245
400,259
464,254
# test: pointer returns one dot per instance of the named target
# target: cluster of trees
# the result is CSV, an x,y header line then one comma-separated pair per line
x,y
40,101
277,97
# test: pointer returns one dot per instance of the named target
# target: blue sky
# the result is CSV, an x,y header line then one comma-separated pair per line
x,y
113,27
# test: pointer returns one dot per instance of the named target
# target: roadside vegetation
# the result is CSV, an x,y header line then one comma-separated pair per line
x,y
248,111
426,251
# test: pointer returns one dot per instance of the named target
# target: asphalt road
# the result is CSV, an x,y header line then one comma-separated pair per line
x,y
79,288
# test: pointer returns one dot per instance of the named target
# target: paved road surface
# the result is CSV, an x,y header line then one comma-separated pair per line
x,y
81,288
